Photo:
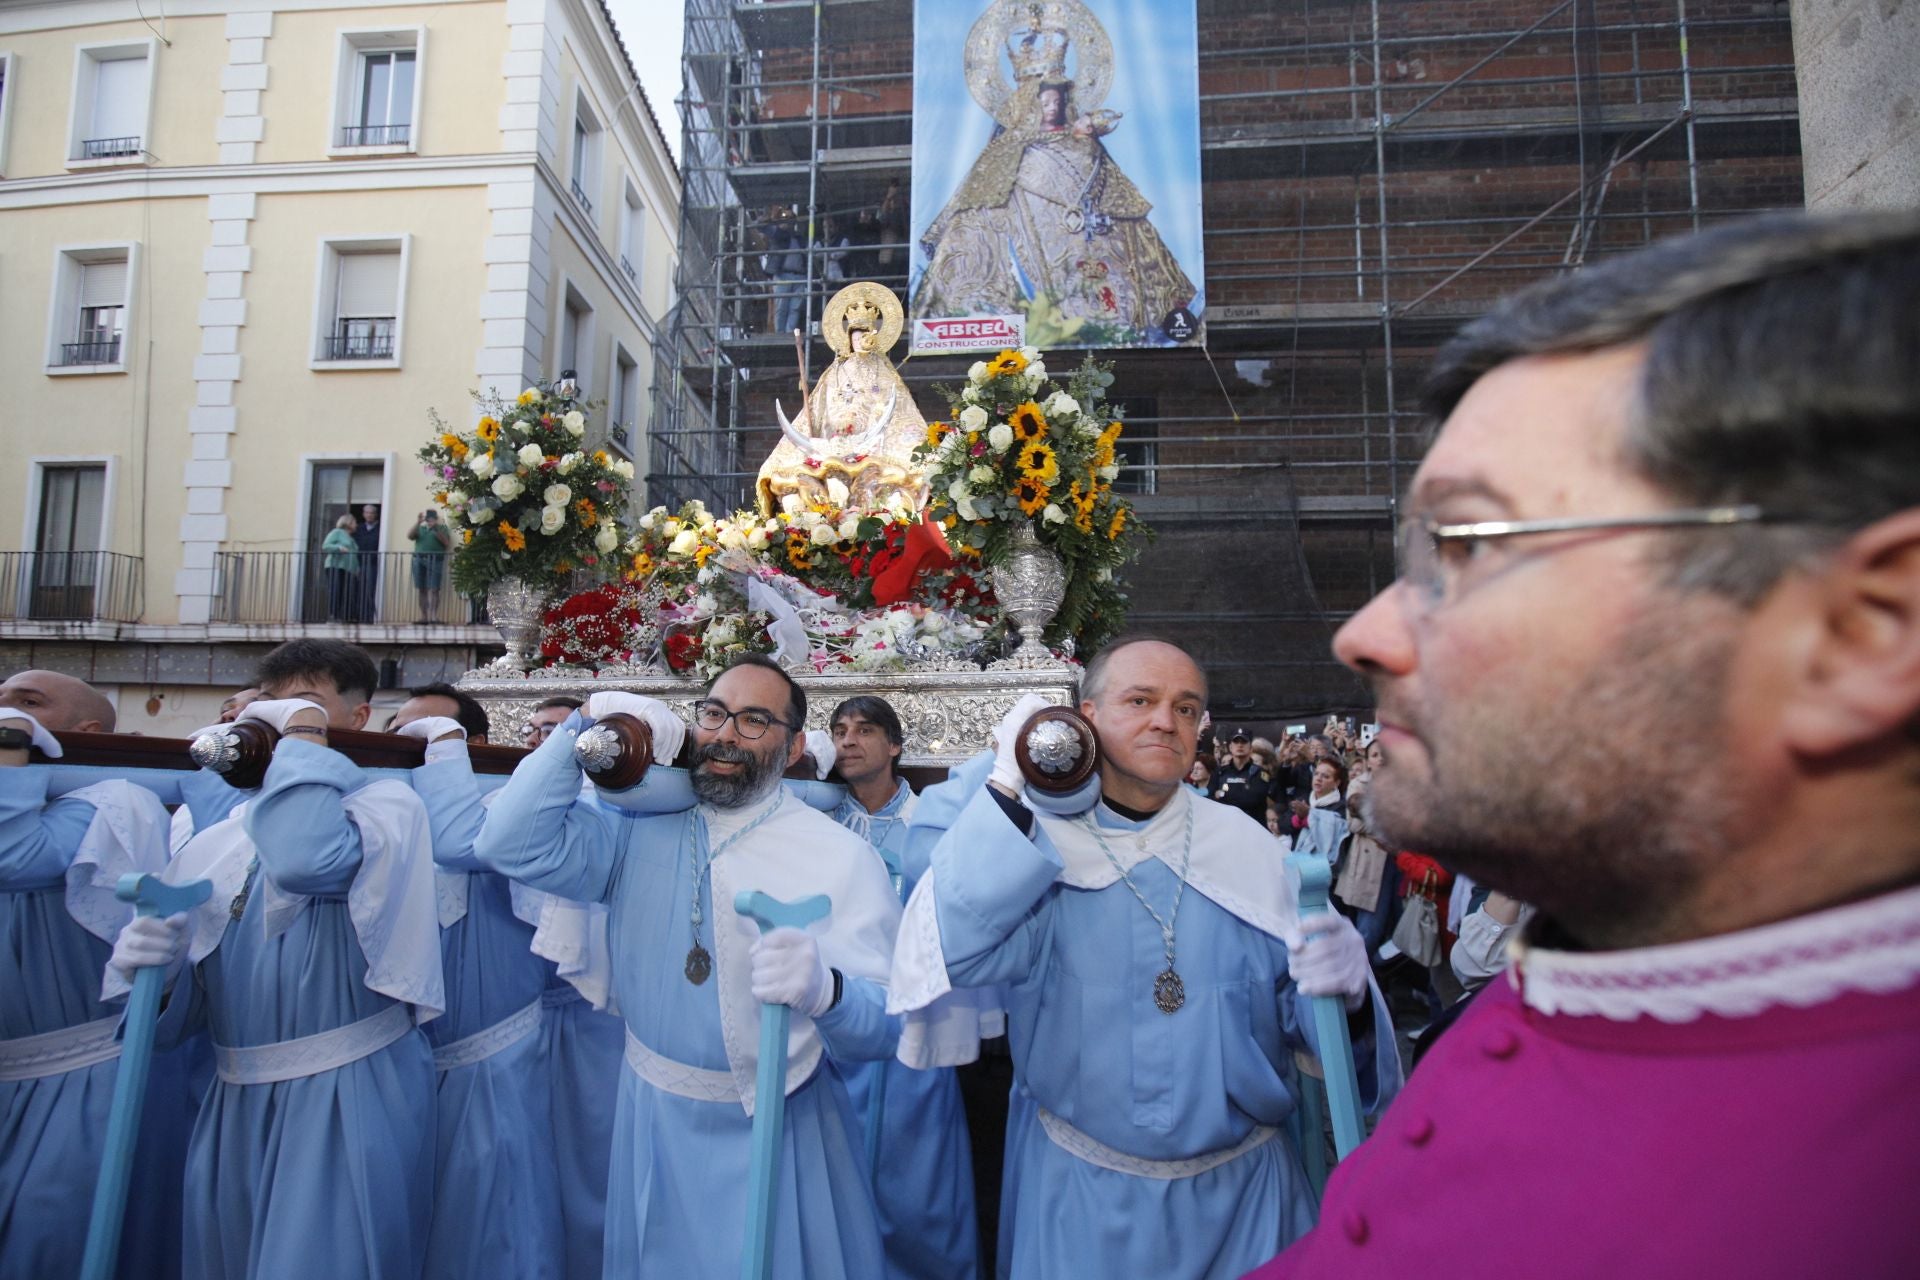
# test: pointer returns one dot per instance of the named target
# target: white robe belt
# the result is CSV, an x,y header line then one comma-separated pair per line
x,y
678,1078
1095,1152
487,1041
310,1055
53,1053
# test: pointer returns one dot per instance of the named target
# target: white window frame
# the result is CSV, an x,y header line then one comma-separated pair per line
x,y
9,70
583,162
63,305
325,288
631,250
303,506
36,494
582,341
614,388
86,59
348,75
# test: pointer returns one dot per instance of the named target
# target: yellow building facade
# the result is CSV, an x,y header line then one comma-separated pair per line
x,y
245,255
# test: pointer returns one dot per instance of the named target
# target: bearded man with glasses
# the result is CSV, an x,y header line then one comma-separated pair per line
x,y
688,976
1677,491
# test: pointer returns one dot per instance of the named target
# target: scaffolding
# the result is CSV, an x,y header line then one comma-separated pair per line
x,y
1375,172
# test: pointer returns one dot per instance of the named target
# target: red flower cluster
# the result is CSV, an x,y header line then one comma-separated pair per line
x,y
591,627
683,650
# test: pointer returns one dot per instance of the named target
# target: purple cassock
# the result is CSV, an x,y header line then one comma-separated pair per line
x,y
1746,1105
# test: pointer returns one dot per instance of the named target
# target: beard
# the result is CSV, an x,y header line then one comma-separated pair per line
x,y
1577,803
759,775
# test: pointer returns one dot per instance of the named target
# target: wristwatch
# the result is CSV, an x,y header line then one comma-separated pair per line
x,y
12,739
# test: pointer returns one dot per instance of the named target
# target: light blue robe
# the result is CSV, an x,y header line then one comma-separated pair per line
x,y
1090,1047
676,1193
328,1176
209,798
53,1129
496,1189
924,1185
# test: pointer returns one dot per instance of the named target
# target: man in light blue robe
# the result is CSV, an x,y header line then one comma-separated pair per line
x,y
313,964
924,1180
60,858
1156,971
688,975
496,1193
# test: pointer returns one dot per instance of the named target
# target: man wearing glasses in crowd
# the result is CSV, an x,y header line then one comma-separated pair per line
x,y
689,976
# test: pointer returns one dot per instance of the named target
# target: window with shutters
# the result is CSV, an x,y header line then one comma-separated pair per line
x,y
112,98
87,328
587,130
69,536
632,232
377,91
361,291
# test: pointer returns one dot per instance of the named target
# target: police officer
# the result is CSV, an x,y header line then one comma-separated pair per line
x,y
1242,782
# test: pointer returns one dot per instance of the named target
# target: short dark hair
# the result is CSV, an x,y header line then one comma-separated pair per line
x,y
1780,372
347,665
875,711
1095,675
471,715
796,696
571,704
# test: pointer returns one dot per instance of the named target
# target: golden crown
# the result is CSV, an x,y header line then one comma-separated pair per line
x,y
862,313
1038,50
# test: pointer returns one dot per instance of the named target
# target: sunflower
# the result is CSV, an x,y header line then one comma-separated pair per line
x,y
642,565
466,537
1037,462
1028,422
488,430
515,540
600,456
1030,493
936,431
455,446
1118,523
588,518
1006,362
798,547
1083,520
563,566
701,552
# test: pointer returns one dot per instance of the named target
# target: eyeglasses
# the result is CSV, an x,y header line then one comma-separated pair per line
x,y
1435,559
751,724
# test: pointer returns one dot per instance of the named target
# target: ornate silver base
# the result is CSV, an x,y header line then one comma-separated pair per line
x,y
1030,585
514,607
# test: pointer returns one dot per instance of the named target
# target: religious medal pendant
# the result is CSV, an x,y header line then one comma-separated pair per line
x,y
1169,993
699,963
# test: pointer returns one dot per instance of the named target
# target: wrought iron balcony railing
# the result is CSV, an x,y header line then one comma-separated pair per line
x,y
628,268
375,135
90,350
580,195
109,148
71,586
393,588
375,344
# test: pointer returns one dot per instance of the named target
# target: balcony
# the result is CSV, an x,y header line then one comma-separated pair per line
x,y
110,148
360,339
628,268
71,586
573,184
376,135
91,349
276,588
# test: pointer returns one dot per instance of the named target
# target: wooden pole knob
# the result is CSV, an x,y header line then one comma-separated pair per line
x,y
616,751
1057,750
239,752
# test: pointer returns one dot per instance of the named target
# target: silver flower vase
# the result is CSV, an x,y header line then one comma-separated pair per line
x,y
1031,583
514,607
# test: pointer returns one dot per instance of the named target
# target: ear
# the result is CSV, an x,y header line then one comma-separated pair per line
x,y
1086,709
91,726
1860,675
796,746
360,716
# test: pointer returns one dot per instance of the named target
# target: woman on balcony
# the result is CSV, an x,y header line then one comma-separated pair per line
x,y
341,559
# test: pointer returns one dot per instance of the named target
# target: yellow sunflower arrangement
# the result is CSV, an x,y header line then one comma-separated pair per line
x,y
1039,462
455,445
1005,363
1029,422
511,535
936,432
1031,494
589,517
642,565
799,550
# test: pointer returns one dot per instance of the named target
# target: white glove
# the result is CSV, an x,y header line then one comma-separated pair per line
x,y
1006,766
277,712
668,729
820,747
787,969
1329,959
151,942
432,729
42,738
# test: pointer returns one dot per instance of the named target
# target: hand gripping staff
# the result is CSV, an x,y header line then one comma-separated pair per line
x,y
1330,1021
150,896
770,1083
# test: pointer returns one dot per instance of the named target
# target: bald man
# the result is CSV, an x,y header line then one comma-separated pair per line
x,y
58,1056
58,702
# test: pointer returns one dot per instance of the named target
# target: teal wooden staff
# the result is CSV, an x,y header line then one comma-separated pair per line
x,y
770,1083
150,896
1330,1021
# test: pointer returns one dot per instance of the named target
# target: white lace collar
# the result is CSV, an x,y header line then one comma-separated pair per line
x,y
1871,946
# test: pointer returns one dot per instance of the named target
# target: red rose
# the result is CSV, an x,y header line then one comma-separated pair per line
x,y
682,650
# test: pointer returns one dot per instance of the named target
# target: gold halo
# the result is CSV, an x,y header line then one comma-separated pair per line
x,y
833,322
989,79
